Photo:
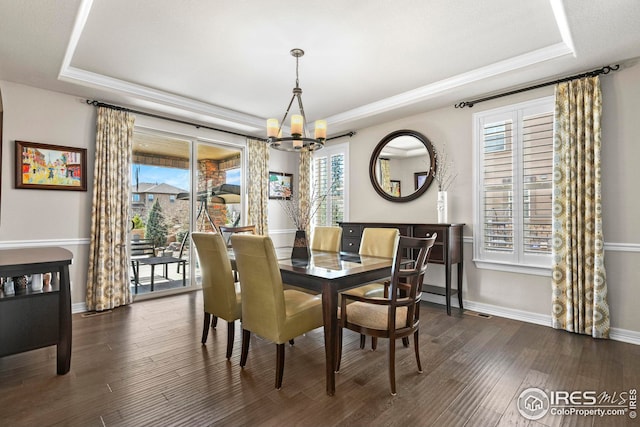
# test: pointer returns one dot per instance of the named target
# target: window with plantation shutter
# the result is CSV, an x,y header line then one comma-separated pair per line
x,y
329,181
514,158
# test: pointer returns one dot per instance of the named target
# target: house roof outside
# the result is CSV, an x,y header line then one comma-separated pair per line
x,y
154,188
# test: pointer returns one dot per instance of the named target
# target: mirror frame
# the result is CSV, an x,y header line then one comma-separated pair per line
x,y
376,154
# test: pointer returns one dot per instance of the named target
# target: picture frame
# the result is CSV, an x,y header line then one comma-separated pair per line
x,y
280,185
395,188
50,167
420,178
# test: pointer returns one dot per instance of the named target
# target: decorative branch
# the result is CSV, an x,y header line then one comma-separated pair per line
x,y
301,216
445,172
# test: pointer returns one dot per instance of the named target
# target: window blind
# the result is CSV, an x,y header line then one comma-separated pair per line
x,y
329,184
537,155
497,146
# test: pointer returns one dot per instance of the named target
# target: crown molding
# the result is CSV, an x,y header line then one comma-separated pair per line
x,y
221,116
431,90
249,123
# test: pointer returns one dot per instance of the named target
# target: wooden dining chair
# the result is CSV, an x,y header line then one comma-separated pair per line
x,y
326,239
395,315
221,294
269,310
229,231
379,242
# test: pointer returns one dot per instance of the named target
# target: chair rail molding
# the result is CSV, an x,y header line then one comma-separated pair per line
x,y
13,244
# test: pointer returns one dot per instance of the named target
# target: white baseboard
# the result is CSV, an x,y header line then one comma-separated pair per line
x,y
616,334
625,335
509,313
79,307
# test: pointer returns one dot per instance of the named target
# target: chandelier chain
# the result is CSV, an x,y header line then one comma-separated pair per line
x,y
297,79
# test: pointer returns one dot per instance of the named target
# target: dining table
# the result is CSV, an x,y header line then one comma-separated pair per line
x,y
329,273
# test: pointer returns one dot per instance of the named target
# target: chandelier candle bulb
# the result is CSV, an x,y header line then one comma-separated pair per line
x,y
321,129
272,128
296,124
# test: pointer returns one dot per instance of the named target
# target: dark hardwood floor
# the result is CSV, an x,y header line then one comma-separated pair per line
x,y
144,365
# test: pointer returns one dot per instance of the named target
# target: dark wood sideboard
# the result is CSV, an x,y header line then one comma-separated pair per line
x,y
448,249
35,319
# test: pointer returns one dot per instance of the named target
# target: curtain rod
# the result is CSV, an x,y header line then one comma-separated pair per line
x,y
184,122
604,70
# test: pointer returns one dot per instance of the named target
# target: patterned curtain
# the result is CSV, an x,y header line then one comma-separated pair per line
x,y
304,185
108,276
579,281
258,185
385,175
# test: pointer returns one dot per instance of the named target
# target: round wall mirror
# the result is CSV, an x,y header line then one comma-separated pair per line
x,y
402,166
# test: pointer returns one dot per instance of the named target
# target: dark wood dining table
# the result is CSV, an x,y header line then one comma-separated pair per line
x,y
330,273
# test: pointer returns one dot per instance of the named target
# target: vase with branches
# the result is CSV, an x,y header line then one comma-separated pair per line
x,y
444,174
301,214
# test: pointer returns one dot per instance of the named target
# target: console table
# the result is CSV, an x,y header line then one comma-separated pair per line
x,y
448,249
35,319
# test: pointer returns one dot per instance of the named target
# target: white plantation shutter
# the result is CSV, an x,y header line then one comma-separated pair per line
x,y
319,186
537,159
497,147
514,157
329,177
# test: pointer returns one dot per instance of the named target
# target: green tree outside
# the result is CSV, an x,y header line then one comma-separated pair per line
x,y
157,230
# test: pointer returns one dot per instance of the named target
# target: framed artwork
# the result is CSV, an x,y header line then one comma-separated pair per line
x,y
280,185
395,188
50,167
420,178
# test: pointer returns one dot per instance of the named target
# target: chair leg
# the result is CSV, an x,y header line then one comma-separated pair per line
x,y
374,343
362,340
291,342
392,365
245,347
405,341
417,348
339,350
205,328
279,365
231,330
214,321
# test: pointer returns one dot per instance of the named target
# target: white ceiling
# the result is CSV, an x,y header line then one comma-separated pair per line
x,y
227,63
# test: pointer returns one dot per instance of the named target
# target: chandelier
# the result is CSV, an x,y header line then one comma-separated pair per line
x,y
299,139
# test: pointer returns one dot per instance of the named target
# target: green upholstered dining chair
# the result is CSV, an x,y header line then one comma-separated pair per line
x,y
220,292
380,242
269,310
395,315
326,239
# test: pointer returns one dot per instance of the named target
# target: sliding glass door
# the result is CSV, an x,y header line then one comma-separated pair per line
x,y
178,185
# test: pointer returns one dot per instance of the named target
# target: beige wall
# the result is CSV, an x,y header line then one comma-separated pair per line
x,y
510,291
41,217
